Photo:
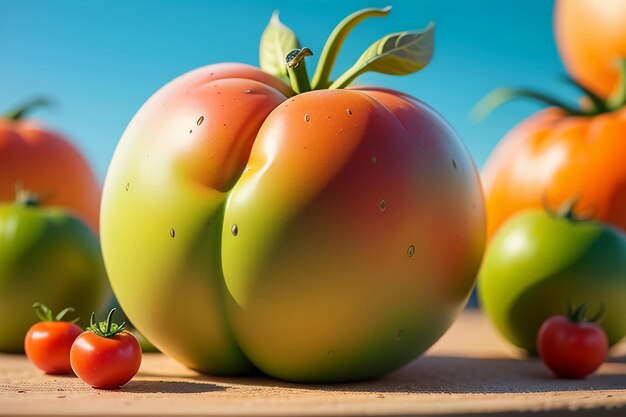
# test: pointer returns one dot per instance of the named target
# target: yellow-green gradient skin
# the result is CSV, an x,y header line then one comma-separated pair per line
x,y
330,236
536,263
47,255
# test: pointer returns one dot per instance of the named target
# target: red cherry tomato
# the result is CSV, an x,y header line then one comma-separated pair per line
x,y
47,343
105,356
571,349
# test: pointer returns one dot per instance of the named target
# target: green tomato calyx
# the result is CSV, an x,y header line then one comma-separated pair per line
x,y
399,53
567,210
22,110
45,314
591,105
579,315
105,328
30,198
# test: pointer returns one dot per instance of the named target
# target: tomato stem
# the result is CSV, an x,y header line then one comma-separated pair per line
x,y
567,210
45,314
296,68
579,314
336,40
497,97
617,100
596,105
105,328
22,110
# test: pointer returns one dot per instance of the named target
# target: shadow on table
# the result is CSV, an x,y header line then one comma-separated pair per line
x,y
617,359
449,374
170,387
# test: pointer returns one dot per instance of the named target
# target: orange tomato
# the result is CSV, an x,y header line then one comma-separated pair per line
x,y
556,156
44,162
591,38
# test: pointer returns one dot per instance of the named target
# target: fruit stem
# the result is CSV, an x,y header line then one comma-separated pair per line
x,y
45,314
617,100
336,40
296,68
26,197
20,111
597,105
105,328
567,209
578,315
497,97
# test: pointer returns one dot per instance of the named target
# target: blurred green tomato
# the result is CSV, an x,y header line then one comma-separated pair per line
x,y
540,261
50,256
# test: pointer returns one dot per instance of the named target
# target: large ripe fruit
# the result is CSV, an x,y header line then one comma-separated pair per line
x,y
327,236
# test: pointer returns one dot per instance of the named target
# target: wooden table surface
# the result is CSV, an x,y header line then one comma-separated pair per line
x,y
469,371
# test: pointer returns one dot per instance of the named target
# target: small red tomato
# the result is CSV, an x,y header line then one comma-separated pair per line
x,y
572,347
47,343
105,356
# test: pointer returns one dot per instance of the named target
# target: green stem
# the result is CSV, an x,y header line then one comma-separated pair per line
x,y
500,96
26,197
336,40
296,69
347,77
617,100
45,314
105,328
598,105
19,112
567,209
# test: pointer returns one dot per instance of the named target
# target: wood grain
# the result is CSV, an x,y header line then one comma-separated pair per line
x,y
470,370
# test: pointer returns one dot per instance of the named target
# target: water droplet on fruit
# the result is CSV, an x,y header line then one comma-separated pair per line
x,y
399,334
127,186
200,120
349,112
382,205
234,230
410,251
374,159
307,118
248,91
331,353
172,232
454,163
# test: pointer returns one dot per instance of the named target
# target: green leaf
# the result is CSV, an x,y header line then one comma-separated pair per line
x,y
276,42
396,54
336,40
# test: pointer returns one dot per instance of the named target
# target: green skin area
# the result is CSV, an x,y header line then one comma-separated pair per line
x,y
537,263
47,256
317,285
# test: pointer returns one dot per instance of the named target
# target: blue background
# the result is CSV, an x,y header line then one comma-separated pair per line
x,y
101,60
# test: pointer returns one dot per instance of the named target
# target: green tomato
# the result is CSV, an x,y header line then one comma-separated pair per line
x,y
46,255
538,262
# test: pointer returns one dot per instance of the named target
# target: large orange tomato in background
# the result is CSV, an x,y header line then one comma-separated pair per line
x,y
555,155
40,160
591,38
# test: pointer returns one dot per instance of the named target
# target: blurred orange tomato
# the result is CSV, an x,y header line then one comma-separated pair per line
x,y
591,38
42,161
555,155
